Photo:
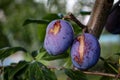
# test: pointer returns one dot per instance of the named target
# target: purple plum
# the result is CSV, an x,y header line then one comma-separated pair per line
x,y
85,51
59,36
113,22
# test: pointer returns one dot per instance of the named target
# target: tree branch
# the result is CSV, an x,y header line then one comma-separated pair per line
x,y
89,73
101,74
73,18
99,16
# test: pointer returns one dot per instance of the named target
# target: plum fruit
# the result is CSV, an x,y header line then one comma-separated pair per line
x,y
113,22
85,51
59,36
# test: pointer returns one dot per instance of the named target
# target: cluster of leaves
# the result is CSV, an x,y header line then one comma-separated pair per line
x,y
34,69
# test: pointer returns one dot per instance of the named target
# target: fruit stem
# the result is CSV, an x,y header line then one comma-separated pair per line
x,y
99,16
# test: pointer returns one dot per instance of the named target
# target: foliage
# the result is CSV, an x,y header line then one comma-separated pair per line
x,y
75,75
26,27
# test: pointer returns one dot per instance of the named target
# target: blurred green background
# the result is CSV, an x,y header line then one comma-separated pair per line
x,y
13,13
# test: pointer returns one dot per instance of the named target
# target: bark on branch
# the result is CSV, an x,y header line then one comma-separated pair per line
x,y
99,16
89,72
73,18
101,74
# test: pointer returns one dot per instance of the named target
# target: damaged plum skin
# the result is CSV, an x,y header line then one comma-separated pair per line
x,y
85,51
59,37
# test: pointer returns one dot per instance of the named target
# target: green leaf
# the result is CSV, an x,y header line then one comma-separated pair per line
x,y
75,75
28,21
41,32
68,62
38,71
77,29
117,54
16,69
106,78
11,71
5,52
33,72
34,53
40,55
29,71
49,75
45,20
48,57
109,66
85,12
51,16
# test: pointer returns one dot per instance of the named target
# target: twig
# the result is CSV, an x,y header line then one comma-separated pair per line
x,y
73,18
101,74
89,72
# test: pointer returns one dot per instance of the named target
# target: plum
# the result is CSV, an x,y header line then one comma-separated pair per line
x,y
85,51
113,22
59,36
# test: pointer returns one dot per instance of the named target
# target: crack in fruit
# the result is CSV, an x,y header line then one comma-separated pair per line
x,y
85,51
81,47
56,28
76,58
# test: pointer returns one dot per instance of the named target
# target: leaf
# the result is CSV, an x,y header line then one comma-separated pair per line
x,y
11,71
41,32
38,71
109,66
17,68
85,12
29,71
75,75
76,28
106,78
5,52
51,57
68,62
34,53
52,16
117,54
28,21
33,72
49,75
40,55
45,20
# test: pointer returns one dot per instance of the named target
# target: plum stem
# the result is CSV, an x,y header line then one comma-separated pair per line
x,y
73,18
99,16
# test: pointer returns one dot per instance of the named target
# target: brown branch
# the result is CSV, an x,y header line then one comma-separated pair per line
x,y
73,18
101,74
99,16
90,73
